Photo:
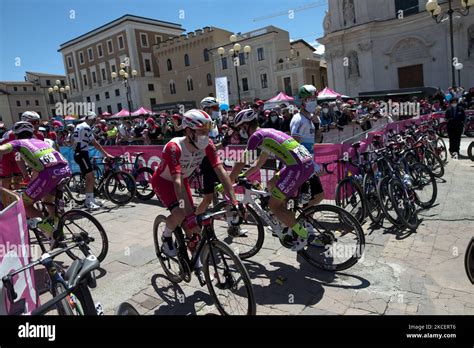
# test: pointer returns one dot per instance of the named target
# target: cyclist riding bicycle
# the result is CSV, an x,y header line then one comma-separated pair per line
x,y
48,167
209,177
302,129
181,157
83,138
298,168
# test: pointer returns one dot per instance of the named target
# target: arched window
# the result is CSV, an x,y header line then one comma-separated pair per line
x,y
172,87
168,63
209,80
186,60
189,82
206,55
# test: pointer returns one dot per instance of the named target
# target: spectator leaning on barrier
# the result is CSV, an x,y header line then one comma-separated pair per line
x,y
273,121
455,116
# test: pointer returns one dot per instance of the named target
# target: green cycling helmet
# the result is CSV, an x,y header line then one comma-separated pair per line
x,y
307,91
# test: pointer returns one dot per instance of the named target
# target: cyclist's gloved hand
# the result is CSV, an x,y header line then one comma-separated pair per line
x,y
219,188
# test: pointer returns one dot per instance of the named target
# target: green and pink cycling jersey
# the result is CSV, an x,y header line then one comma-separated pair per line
x,y
51,167
298,162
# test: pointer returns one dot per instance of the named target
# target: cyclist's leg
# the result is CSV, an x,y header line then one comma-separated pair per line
x,y
317,191
87,170
209,181
289,181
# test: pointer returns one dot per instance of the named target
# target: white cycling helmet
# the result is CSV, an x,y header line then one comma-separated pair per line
x,y
245,116
90,115
30,116
196,119
23,126
209,102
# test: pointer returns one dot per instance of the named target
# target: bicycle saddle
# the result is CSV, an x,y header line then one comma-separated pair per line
x,y
81,269
63,183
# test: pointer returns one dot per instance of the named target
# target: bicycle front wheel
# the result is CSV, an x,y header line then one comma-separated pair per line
x,y
434,163
350,197
77,187
403,204
246,239
143,180
470,151
228,280
120,187
341,237
73,223
374,211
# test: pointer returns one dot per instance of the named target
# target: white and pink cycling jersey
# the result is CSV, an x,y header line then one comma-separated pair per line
x,y
177,159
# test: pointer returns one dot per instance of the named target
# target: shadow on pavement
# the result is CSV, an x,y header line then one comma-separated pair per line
x,y
176,302
303,284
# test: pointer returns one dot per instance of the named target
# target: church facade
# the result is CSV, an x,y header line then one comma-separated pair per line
x,y
376,45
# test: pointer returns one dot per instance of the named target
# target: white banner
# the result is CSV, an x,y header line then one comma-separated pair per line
x,y
222,93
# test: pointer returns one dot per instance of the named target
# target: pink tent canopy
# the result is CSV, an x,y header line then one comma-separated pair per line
x,y
105,114
121,113
70,118
281,97
328,93
142,111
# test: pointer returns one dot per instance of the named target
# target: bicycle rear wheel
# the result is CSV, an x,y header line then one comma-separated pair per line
x,y
424,185
77,187
120,187
470,151
403,204
386,203
374,211
175,270
434,163
349,196
339,231
252,233
228,280
143,180
441,150
73,223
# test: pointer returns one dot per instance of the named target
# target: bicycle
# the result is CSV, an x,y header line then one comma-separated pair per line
x,y
112,183
142,176
70,224
216,257
70,289
333,225
470,151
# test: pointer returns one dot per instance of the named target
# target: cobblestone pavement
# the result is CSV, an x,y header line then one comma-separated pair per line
x,y
420,273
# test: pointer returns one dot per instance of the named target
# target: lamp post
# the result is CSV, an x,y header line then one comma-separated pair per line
x,y
123,74
434,9
59,89
459,67
234,53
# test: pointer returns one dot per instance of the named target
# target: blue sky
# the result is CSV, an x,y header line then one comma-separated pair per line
x,y
32,30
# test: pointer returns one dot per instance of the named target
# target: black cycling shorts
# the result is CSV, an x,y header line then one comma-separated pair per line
x,y
315,184
209,177
84,162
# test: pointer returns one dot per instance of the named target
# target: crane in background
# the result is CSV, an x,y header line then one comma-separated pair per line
x,y
294,10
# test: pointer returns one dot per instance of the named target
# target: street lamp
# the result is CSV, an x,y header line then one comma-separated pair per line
x,y
459,67
124,75
434,9
59,89
234,53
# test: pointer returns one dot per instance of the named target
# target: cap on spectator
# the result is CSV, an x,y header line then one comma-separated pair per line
x,y
237,108
150,120
176,116
42,129
259,102
266,113
57,124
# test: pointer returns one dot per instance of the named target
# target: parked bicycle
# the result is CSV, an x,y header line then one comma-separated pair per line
x,y
142,175
224,274
70,289
112,183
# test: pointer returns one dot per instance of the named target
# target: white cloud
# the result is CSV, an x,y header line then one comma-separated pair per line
x,y
320,49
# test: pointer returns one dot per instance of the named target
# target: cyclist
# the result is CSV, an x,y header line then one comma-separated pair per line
x,y
48,168
302,129
298,168
83,137
181,156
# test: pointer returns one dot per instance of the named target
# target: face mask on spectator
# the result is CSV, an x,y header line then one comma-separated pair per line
x,y
274,118
215,115
454,105
243,134
311,105
325,110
